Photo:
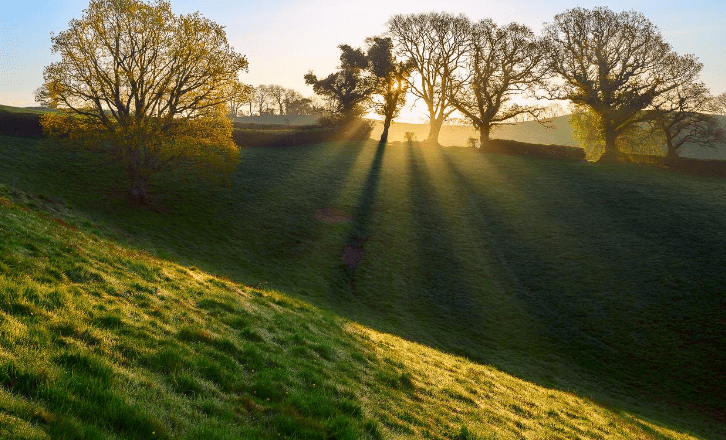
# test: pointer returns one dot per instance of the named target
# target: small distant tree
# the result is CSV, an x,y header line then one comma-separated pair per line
x,y
147,86
390,80
616,64
261,98
680,117
44,97
500,62
240,94
718,104
349,89
278,95
436,44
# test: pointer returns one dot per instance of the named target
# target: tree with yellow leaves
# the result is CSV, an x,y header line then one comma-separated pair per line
x,y
147,86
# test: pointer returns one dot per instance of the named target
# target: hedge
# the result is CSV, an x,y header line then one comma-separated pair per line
x,y
20,124
549,151
279,138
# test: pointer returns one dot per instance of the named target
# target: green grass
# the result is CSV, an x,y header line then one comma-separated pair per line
x,y
100,341
599,281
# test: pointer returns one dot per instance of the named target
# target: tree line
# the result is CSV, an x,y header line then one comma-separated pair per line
x,y
622,77
156,90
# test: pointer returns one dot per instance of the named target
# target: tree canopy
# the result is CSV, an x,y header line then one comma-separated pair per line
x,y
146,85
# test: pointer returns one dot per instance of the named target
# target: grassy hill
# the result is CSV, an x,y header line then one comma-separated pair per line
x,y
604,281
98,340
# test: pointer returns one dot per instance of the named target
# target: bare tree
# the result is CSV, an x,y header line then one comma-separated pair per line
x,y
277,97
436,44
501,62
614,63
680,117
261,98
390,80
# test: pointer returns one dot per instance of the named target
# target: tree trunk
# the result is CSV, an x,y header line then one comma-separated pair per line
x,y
139,186
485,145
386,126
672,155
434,130
611,153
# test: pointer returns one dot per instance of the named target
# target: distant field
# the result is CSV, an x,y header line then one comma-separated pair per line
x,y
604,280
560,133
275,119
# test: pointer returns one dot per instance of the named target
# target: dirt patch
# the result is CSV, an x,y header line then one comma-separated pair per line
x,y
332,215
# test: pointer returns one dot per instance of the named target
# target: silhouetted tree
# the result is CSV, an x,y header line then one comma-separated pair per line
x,y
278,94
680,117
261,98
436,44
348,89
501,62
147,86
614,63
390,80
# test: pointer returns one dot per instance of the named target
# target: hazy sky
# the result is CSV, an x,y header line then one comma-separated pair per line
x,y
283,39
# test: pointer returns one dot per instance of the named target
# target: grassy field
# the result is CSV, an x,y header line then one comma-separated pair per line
x,y
98,340
601,281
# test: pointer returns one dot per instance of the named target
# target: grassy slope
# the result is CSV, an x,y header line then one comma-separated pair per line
x,y
605,280
101,341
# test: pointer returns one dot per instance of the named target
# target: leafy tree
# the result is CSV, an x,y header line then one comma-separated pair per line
x,y
390,80
501,62
278,94
436,44
240,94
679,115
261,97
147,86
349,89
635,139
614,63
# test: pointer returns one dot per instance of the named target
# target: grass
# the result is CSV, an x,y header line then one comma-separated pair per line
x,y
98,340
583,280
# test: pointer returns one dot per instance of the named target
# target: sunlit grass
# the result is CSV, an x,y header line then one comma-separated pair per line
x,y
102,341
600,280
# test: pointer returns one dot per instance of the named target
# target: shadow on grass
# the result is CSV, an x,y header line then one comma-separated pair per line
x,y
610,308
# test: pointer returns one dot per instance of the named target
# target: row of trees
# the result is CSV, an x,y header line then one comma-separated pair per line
x,y
614,66
272,99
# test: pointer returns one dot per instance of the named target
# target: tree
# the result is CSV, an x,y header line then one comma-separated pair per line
x,y
147,86
240,94
718,104
635,139
679,115
261,97
390,80
436,44
616,64
348,89
278,95
501,62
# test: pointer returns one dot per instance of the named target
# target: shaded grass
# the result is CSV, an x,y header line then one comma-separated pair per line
x,y
604,280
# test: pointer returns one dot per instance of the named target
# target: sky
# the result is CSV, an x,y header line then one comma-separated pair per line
x,y
284,39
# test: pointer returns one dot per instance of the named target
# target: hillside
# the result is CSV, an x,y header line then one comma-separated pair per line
x,y
98,340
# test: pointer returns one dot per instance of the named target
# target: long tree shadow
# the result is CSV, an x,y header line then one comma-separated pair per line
x,y
594,296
